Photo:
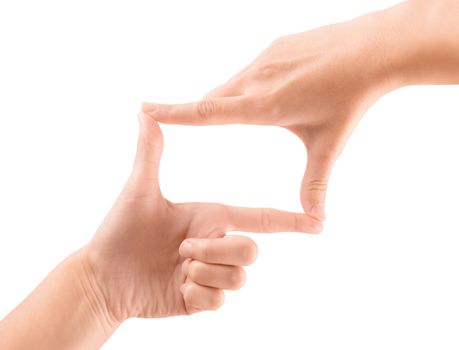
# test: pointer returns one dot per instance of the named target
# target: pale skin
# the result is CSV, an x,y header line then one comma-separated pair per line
x,y
149,258
319,83
154,258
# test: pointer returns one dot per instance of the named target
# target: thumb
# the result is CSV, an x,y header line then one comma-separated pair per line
x,y
149,148
315,183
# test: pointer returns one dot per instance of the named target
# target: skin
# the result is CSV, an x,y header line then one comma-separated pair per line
x,y
153,258
149,258
319,83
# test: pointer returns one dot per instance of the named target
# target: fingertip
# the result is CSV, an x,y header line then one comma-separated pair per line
x,y
316,228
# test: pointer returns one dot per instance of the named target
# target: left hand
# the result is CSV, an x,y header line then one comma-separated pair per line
x,y
316,84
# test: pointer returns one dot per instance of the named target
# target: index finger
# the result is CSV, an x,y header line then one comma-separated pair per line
x,y
213,111
271,220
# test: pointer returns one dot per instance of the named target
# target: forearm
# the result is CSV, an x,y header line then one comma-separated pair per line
x,y
421,42
65,311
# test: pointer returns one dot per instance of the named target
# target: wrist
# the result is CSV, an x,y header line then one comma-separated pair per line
x,y
94,300
420,42
66,311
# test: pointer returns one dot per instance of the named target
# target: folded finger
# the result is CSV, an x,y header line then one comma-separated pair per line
x,y
228,250
216,276
200,298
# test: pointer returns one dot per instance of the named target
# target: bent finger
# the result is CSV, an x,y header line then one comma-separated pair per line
x,y
228,250
200,298
315,183
214,275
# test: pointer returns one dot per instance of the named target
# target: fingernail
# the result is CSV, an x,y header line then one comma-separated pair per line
x,y
186,249
318,211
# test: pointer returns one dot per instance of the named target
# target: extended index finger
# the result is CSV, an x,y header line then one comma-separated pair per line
x,y
214,111
270,220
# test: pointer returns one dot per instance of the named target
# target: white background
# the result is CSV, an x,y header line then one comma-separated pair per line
x,y
384,273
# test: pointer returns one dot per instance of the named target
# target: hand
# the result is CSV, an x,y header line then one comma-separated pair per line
x,y
149,258
316,84
134,256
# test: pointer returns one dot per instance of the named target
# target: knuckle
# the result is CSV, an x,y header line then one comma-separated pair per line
x,y
249,252
296,222
188,293
265,71
186,266
265,219
205,109
192,299
237,278
195,270
222,215
216,299
205,252
274,106
191,305
317,185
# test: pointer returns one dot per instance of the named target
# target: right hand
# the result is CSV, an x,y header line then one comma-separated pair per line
x,y
154,258
316,84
